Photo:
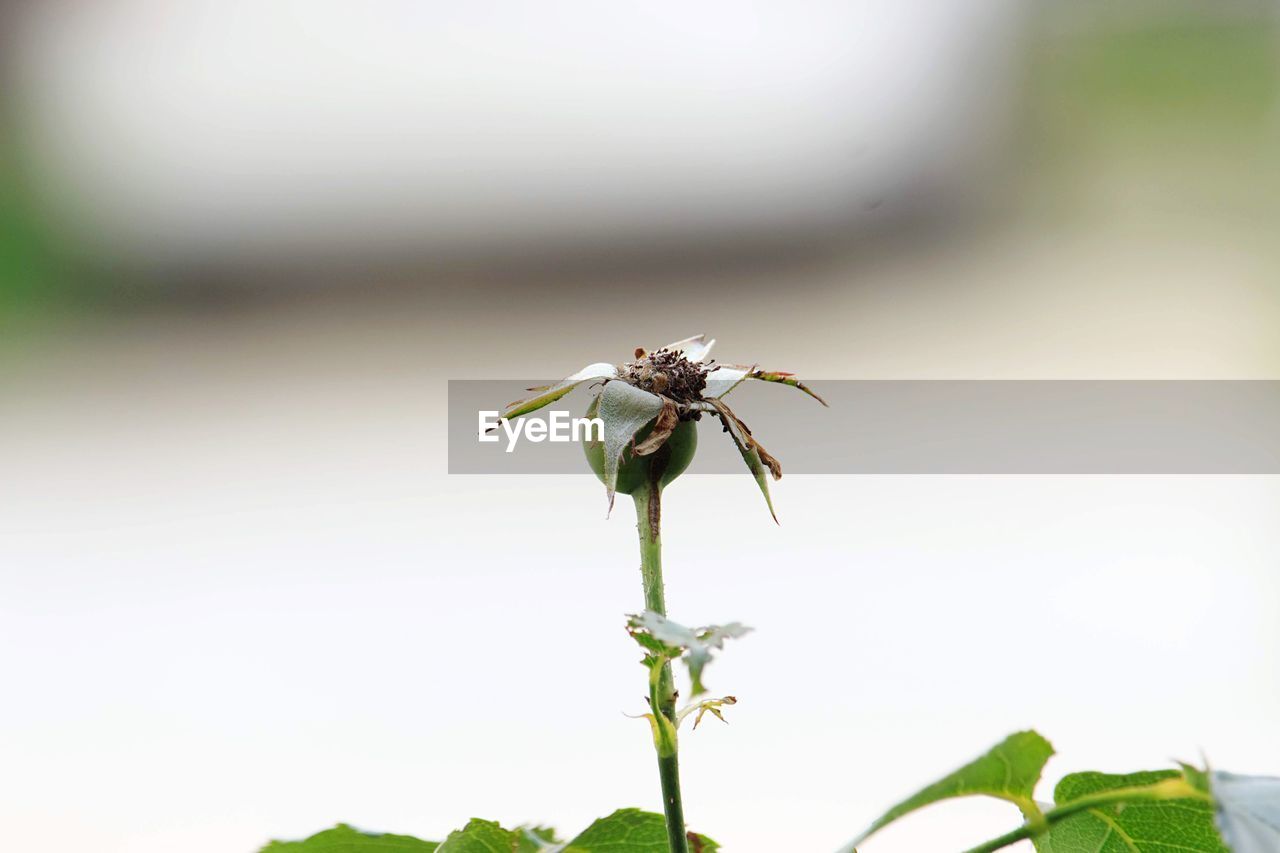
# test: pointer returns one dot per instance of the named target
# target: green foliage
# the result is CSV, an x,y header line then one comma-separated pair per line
x,y
1160,811
631,831
624,831
345,839
486,836
1132,825
1219,75
1009,771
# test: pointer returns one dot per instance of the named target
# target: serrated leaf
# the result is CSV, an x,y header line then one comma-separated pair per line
x,y
632,831
1009,771
543,838
345,839
624,409
486,836
1140,826
550,393
1248,811
694,646
624,831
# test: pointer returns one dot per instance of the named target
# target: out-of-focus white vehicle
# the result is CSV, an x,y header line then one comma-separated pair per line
x,y
184,129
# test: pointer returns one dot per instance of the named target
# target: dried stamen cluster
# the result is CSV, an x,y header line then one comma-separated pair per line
x,y
668,374
680,383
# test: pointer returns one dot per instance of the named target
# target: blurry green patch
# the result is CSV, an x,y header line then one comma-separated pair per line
x,y
1156,119
1219,78
1218,71
23,253
30,277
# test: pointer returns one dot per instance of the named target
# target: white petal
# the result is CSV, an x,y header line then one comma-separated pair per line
x,y
723,379
695,349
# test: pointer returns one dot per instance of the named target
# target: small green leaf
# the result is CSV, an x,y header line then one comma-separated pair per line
x,y
624,409
1248,811
1195,777
657,633
1009,771
632,831
345,839
1174,825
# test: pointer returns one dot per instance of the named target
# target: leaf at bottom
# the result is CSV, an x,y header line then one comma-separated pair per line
x,y
346,839
632,831
1162,826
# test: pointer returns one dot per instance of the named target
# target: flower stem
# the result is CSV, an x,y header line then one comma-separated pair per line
x,y
648,517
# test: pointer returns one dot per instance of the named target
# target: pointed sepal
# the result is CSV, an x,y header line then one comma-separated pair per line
x,y
548,394
624,410
759,462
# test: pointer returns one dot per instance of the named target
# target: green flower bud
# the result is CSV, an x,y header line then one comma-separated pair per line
x,y
634,472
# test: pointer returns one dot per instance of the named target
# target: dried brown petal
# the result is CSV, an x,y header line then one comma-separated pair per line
x,y
665,424
775,467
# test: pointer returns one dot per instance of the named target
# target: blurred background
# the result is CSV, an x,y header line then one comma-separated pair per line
x,y
243,246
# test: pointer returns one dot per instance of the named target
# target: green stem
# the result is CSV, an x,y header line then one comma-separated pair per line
x,y
648,517
1168,789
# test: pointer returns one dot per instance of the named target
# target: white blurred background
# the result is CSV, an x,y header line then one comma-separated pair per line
x,y
243,247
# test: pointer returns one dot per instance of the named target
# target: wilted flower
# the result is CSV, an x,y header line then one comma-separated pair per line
x,y
649,404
